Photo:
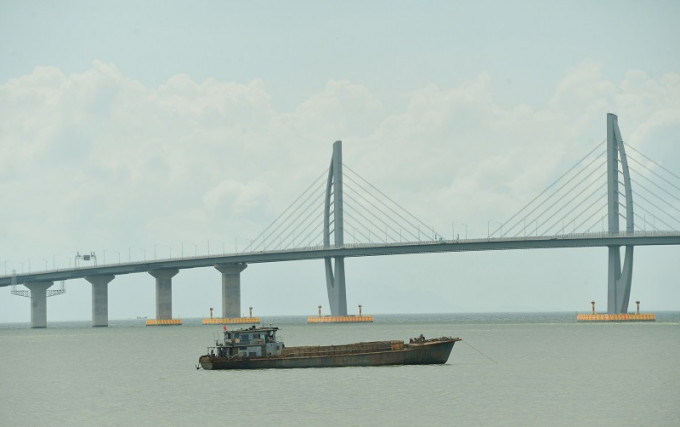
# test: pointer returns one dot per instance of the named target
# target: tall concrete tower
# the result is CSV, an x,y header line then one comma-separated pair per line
x,y
335,278
619,280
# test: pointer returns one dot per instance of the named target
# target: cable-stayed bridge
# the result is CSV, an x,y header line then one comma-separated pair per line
x,y
342,215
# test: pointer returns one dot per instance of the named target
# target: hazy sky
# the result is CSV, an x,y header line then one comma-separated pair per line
x,y
137,129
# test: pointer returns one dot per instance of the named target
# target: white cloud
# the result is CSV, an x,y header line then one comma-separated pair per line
x,y
235,198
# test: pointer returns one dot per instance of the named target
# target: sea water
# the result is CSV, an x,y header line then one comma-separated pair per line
x,y
510,369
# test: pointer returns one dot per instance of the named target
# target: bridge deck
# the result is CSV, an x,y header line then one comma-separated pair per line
x,y
357,250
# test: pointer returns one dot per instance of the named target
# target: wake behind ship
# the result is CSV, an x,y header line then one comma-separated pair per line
x,y
258,348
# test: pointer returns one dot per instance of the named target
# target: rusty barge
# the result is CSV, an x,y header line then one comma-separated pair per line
x,y
258,348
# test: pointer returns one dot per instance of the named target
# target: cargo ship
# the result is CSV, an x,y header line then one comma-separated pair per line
x,y
258,348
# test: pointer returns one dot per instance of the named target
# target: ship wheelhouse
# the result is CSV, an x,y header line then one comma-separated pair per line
x,y
251,342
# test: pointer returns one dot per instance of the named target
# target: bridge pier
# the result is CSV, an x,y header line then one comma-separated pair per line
x,y
164,292
231,288
100,298
38,303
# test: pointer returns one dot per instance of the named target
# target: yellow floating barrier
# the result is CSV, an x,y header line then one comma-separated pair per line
x,y
230,320
340,319
646,317
163,322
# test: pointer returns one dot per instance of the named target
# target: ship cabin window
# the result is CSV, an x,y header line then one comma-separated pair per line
x,y
267,336
239,338
243,338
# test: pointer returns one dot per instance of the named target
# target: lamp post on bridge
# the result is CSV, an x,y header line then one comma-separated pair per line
x,y
195,249
573,222
165,246
130,252
535,227
218,241
453,230
488,228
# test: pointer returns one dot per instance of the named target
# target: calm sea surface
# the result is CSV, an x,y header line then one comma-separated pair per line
x,y
510,369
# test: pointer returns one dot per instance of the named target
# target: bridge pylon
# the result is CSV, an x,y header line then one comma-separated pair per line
x,y
619,279
335,278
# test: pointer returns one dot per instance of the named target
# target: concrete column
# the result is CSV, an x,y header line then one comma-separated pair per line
x,y
100,298
231,288
164,292
38,303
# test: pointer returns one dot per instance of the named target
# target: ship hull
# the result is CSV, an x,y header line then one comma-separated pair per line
x,y
429,353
